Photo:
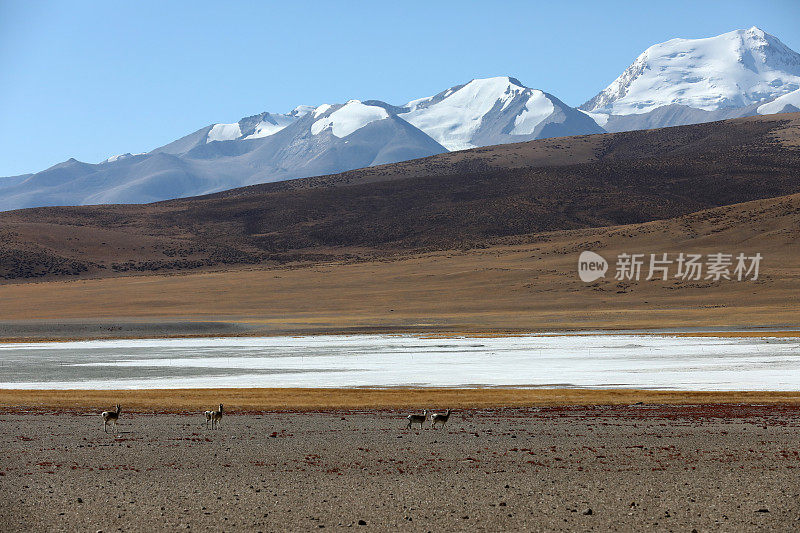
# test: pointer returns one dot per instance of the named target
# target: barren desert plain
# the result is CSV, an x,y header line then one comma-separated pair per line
x,y
629,467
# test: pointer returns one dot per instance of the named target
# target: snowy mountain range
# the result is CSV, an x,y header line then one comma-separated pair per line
x,y
681,81
308,141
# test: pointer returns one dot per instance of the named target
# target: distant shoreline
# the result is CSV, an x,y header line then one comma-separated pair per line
x,y
776,332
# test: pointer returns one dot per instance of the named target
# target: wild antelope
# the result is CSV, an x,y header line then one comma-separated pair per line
x,y
417,419
111,416
440,418
216,416
208,417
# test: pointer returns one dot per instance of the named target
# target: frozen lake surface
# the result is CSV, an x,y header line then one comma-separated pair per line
x,y
588,360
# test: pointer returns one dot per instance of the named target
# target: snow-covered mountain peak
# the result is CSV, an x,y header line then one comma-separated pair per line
x,y
347,118
479,91
735,69
453,116
489,110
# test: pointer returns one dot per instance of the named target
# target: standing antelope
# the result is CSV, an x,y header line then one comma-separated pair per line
x,y
417,419
439,417
111,416
216,416
208,417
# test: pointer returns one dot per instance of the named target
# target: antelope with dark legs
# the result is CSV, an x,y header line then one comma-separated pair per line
x,y
440,418
111,416
417,419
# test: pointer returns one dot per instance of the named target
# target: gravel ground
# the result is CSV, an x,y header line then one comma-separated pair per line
x,y
629,468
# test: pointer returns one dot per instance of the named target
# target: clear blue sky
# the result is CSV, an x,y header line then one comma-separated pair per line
x,y
93,79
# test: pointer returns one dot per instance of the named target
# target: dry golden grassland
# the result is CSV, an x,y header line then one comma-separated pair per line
x,y
243,400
